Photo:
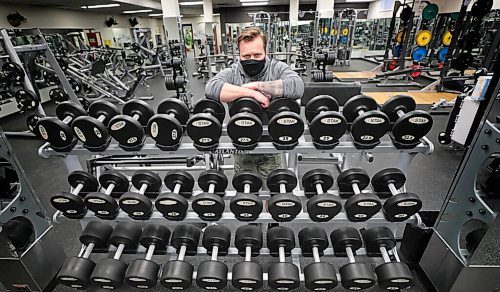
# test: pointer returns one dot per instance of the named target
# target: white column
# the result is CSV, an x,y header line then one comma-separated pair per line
x,y
171,16
208,14
325,8
294,12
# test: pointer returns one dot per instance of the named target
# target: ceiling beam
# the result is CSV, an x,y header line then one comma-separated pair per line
x,y
144,3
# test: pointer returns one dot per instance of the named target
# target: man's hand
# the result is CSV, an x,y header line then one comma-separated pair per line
x,y
261,98
251,85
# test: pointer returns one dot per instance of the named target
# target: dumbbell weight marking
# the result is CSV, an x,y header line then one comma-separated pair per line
x,y
246,205
209,205
166,127
138,205
173,205
205,126
245,127
321,206
104,204
285,125
327,125
283,205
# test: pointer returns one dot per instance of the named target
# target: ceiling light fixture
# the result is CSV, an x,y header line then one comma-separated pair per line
x,y
254,3
243,1
215,14
191,3
156,14
137,11
99,6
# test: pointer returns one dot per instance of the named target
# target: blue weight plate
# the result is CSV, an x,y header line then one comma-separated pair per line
x,y
442,54
396,51
419,54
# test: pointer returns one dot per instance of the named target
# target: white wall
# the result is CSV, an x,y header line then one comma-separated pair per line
x,y
374,11
199,27
71,19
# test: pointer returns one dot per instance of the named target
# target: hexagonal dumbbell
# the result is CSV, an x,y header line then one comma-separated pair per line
x,y
127,128
92,130
410,125
205,126
247,275
391,275
173,205
284,206
166,127
326,124
321,206
209,205
212,274
246,205
71,204
285,125
245,125
367,124
318,276
178,274
360,206
354,275
399,206
283,275
143,273
138,204
76,271
57,131
110,272
104,204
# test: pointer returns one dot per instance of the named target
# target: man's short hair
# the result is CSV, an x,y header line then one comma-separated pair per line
x,y
250,33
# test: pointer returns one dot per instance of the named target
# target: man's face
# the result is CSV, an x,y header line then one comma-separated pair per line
x,y
253,49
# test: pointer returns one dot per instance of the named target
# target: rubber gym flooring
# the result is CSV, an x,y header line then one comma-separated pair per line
x,y
428,176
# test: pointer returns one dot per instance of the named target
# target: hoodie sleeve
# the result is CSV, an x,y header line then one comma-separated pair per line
x,y
293,86
214,86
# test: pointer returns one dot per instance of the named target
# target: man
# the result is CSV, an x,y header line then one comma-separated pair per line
x,y
259,77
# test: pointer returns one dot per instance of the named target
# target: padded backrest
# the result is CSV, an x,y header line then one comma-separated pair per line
x,y
342,91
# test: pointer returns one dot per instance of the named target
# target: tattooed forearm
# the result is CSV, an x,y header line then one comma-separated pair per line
x,y
271,88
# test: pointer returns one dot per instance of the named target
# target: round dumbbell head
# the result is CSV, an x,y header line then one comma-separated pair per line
x,y
149,178
247,276
284,207
245,130
109,274
283,104
218,235
75,272
357,276
401,206
14,71
215,177
248,235
379,236
351,176
386,176
280,236
343,237
176,107
188,235
212,107
31,121
247,177
126,233
278,177
322,208
246,105
96,232
72,206
362,207
394,276
57,133
183,178
105,206
172,206
212,275
137,206
155,234
92,133
411,127
103,108
398,102
320,103
118,179
246,207
358,103
68,108
127,131
142,274
177,275
314,177
320,276
205,130
326,128
58,95
285,129
140,108
167,130
90,183
283,276
310,237
368,127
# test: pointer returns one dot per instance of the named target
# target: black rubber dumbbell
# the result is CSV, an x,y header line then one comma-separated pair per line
x,y
399,206
321,206
110,272
143,273
246,205
391,275
360,206
92,130
285,125
245,125
326,124
178,274
173,205
283,206
283,275
76,271
138,204
166,127
205,126
104,204
410,125
127,128
71,204
354,275
57,131
247,275
366,123
210,205
212,274
318,276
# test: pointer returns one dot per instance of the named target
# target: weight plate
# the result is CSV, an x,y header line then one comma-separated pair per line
x,y
472,40
399,36
165,130
418,54
397,51
327,128
183,178
137,206
127,131
362,207
351,176
446,38
343,39
91,132
135,47
404,103
209,207
281,176
205,130
54,131
319,104
411,127
345,31
286,128
401,206
417,71
462,62
246,207
442,54
406,14
245,130
31,121
26,100
14,71
140,108
69,108
322,208
58,95
62,63
172,206
423,37
284,207
245,104
210,106
355,104
382,178
176,107
283,104
430,11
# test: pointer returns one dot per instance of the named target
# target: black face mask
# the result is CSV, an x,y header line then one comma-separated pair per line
x,y
253,67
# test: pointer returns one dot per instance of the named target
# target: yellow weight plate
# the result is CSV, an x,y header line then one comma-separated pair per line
x,y
345,31
399,36
332,32
423,38
447,36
